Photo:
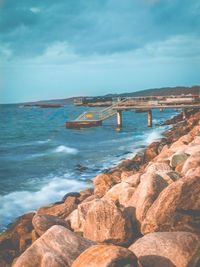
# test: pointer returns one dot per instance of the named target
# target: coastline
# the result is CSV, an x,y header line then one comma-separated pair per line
x,y
24,231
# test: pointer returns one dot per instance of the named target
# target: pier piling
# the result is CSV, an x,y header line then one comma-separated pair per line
x,y
119,118
149,118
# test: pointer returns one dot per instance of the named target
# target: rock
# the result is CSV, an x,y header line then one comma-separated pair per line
x,y
107,223
16,239
171,176
176,208
80,168
193,172
132,180
192,162
77,218
167,249
177,159
57,247
106,256
151,151
146,193
42,223
76,195
158,167
61,210
85,194
120,193
103,182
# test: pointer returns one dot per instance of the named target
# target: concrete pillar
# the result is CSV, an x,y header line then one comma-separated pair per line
x,y
184,114
149,115
119,118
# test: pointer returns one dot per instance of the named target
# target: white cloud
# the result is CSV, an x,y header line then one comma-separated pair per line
x,y
35,9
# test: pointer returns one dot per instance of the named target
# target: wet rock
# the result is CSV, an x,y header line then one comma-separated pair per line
x,y
106,256
167,249
103,182
71,194
80,168
57,247
151,151
42,223
176,208
16,239
107,223
85,194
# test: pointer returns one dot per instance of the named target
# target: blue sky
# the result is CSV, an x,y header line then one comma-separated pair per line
x,y
57,49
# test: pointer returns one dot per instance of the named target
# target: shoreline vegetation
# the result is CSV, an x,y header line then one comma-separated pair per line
x,y
144,212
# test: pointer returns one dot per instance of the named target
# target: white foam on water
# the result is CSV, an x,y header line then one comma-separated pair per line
x,y
66,149
155,135
17,203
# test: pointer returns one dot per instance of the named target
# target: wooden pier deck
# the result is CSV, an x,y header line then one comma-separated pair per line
x,y
94,117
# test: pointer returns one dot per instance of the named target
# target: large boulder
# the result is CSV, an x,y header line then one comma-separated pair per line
x,y
16,239
61,209
192,162
106,256
120,193
150,187
77,218
57,247
167,249
105,222
176,209
133,180
103,182
42,223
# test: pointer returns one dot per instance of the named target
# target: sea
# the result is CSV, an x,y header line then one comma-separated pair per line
x,y
41,160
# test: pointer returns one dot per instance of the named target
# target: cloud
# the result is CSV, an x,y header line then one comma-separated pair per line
x,y
35,9
94,27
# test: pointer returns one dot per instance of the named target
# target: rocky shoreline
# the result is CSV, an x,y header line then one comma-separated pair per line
x,y
145,212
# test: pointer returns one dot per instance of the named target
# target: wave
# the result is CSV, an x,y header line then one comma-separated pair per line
x,y
154,136
17,203
66,149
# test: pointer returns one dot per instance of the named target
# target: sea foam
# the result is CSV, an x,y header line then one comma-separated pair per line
x,y
17,203
66,149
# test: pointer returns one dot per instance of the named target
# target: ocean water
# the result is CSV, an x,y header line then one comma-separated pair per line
x,y
39,156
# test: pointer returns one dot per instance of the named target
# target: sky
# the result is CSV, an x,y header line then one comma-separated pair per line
x,y
57,49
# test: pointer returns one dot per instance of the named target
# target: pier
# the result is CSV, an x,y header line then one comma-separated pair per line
x,y
95,117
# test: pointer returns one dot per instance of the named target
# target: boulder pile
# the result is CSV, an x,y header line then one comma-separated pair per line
x,y
143,213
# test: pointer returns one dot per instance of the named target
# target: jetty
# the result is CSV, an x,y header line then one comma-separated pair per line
x,y
95,117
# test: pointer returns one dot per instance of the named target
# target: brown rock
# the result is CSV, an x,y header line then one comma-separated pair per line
x,y
16,239
85,194
107,223
61,210
192,162
146,193
42,223
120,193
132,180
57,247
158,167
106,256
176,208
103,182
152,151
77,218
167,249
